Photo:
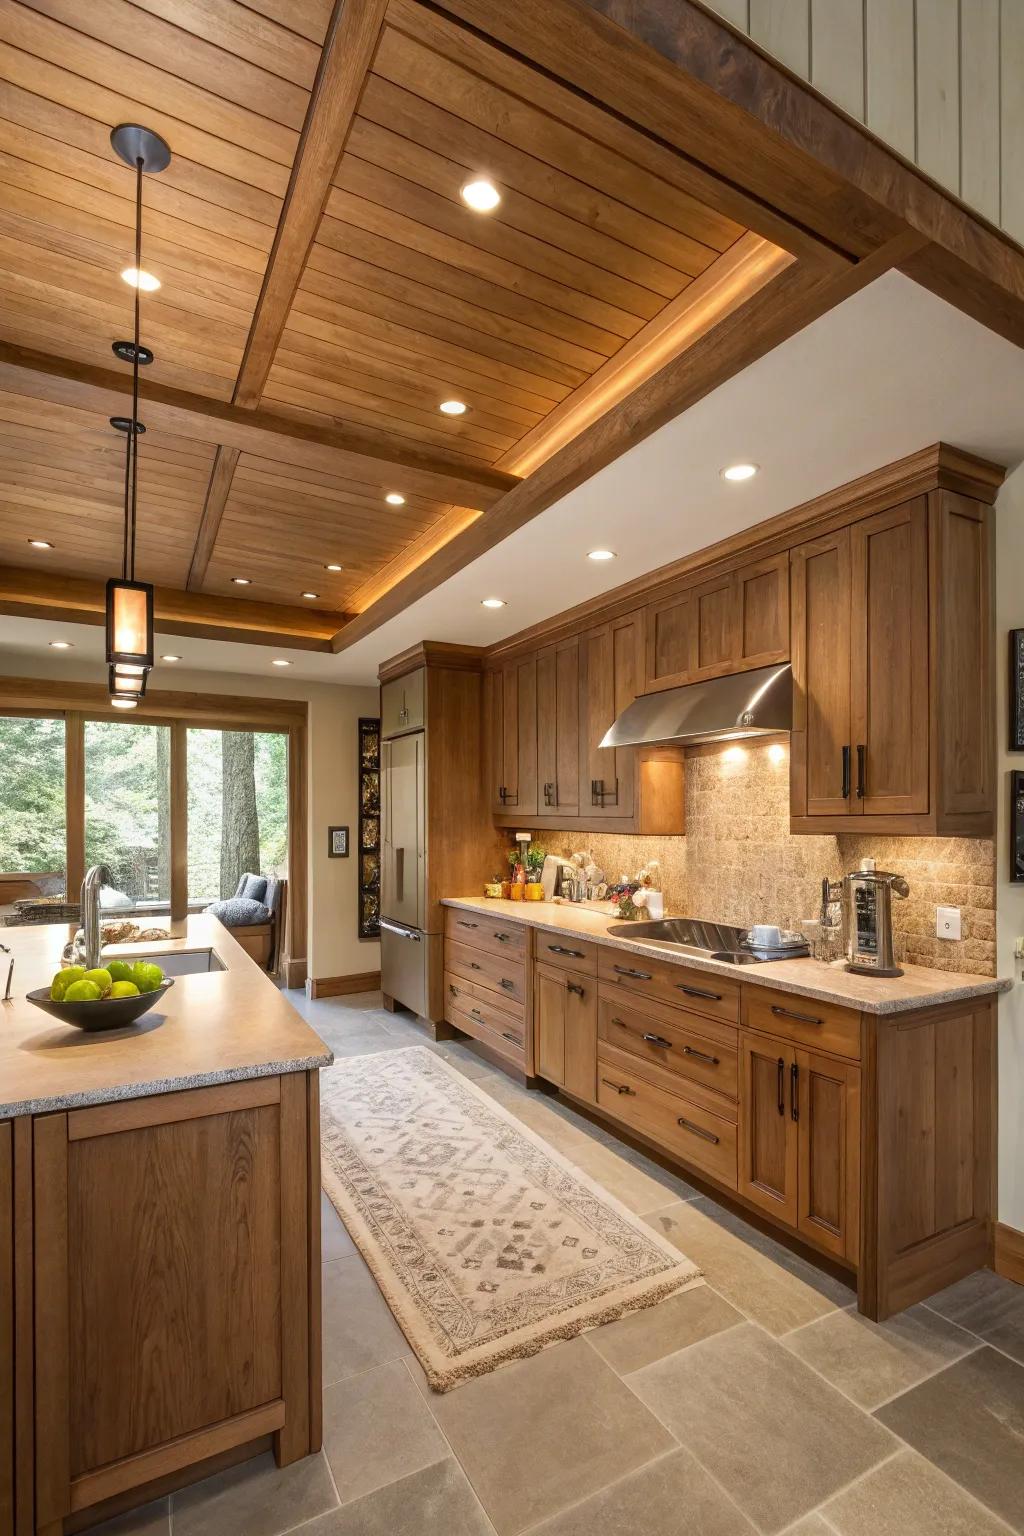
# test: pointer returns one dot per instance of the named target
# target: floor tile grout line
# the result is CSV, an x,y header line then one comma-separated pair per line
x,y
979,1336
444,1436
624,1477
946,1366
819,1509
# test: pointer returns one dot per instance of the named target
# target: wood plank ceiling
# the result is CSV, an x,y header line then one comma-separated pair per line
x,y
407,297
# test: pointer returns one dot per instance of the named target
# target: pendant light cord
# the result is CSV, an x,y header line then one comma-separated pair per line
x,y
134,434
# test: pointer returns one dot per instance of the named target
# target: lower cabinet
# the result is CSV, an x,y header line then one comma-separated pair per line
x,y
6,1328
799,1146
565,1012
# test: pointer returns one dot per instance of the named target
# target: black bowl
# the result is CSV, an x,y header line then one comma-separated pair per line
x,y
102,1013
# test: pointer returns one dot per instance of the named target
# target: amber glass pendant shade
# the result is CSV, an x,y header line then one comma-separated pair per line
x,y
128,685
129,623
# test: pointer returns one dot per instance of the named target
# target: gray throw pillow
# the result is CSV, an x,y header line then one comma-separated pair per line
x,y
255,888
239,911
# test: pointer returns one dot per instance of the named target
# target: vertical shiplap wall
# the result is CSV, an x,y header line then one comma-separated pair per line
x,y
942,81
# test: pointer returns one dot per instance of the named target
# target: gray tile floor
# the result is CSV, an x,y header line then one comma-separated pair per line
x,y
761,1402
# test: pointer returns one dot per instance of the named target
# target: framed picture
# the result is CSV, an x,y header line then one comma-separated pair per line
x,y
1017,690
369,828
337,842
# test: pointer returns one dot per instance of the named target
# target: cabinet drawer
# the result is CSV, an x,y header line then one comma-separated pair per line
x,y
570,954
479,990
504,974
697,991
502,1031
669,1038
822,1026
684,1128
483,932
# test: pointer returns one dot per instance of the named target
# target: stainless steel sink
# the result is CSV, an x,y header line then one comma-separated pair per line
x,y
706,941
187,962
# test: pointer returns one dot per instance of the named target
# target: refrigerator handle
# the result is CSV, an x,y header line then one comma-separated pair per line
x,y
396,928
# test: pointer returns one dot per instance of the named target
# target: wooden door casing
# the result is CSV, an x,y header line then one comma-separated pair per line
x,y
611,669
565,1051
821,746
828,1177
558,727
768,1139
889,661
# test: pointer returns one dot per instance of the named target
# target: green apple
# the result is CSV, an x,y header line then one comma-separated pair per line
x,y
147,977
83,991
120,970
100,978
124,989
63,979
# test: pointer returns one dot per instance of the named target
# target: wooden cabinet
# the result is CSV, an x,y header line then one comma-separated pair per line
x,y
175,1239
733,621
510,724
565,1021
891,642
488,984
6,1327
799,1140
403,704
558,727
611,672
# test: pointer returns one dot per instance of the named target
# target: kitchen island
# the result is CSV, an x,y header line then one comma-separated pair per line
x,y
159,1233
855,1113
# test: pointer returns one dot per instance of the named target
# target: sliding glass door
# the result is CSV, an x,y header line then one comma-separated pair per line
x,y
33,822
237,809
128,810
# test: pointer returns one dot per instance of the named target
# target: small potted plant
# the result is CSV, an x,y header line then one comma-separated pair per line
x,y
534,890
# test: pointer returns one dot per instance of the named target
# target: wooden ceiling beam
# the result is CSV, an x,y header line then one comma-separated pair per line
x,y
77,600
431,472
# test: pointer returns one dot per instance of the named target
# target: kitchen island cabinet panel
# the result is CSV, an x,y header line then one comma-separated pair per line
x,y
6,1327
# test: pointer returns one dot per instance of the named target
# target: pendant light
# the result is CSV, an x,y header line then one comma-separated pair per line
x,y
130,602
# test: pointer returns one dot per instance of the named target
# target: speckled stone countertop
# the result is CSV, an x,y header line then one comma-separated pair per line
x,y
214,1027
918,987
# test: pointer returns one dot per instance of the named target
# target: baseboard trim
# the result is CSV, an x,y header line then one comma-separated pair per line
x,y
340,986
1009,1253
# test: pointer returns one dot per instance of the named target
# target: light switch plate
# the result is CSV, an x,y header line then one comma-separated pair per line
x,y
947,922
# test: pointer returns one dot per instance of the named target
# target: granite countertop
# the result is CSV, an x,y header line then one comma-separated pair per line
x,y
214,1027
828,983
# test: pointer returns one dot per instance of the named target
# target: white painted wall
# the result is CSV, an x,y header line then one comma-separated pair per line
x,y
942,81
332,788
1009,898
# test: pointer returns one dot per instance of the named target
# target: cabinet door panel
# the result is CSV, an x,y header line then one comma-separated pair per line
x,y
521,749
767,1140
889,554
829,1160
494,738
716,639
611,666
558,727
821,737
671,642
566,1033
762,601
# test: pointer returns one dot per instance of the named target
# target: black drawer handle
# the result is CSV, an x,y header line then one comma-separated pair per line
x,y
461,923
574,986
627,970
712,1061
794,1091
657,1040
509,986
453,989
712,997
560,949
782,1086
507,1035
697,1130
801,1018
478,1015
503,938
474,967
619,1087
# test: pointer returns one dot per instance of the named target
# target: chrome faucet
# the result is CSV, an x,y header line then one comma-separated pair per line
x,y
97,876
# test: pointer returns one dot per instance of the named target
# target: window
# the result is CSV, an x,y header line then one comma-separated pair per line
x,y
128,809
237,809
33,825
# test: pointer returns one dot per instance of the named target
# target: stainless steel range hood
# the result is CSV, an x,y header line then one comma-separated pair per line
x,y
758,703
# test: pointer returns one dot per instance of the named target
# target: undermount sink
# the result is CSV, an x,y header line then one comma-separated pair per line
x,y
708,941
189,962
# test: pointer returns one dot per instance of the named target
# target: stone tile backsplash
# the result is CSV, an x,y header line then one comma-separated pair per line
x,y
738,862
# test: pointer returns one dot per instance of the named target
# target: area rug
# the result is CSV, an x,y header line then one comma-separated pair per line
x,y
487,1244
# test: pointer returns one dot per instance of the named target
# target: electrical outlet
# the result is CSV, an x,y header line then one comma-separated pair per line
x,y
947,922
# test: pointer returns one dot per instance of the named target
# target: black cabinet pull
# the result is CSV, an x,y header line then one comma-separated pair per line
x,y
862,753
503,938
712,1061
801,1018
657,1040
712,997
501,793
462,923
697,1130
601,796
782,1086
506,796
627,970
453,990
474,967
551,793
846,773
507,1035
507,984
573,986
619,1087
560,949
794,1089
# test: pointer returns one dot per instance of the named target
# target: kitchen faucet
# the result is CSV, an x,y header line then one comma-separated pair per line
x,y
97,876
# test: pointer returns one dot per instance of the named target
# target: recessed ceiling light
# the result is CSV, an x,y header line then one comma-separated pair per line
x,y
170,658
241,581
61,645
138,277
279,661
122,703
493,602
311,594
601,554
452,408
395,498
740,471
481,195
334,567
40,543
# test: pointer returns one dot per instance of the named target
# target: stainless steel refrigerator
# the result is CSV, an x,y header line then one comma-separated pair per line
x,y
405,949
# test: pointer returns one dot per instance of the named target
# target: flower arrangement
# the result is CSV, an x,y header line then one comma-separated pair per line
x,y
640,895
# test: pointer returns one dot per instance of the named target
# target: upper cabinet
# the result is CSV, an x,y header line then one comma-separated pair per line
x,y
510,716
558,727
729,623
611,668
891,633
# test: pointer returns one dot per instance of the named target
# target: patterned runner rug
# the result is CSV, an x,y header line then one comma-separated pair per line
x,y
486,1242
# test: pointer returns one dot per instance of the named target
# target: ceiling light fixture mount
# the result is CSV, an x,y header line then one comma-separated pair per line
x,y
279,661
395,499
170,657
241,581
492,602
739,471
40,543
480,194
311,595
61,645
601,554
334,567
452,408
129,615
